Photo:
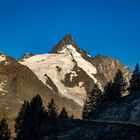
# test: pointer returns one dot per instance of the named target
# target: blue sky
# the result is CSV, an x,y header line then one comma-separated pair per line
x,y
107,27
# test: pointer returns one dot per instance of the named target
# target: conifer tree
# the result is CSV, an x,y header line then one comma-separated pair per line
x,y
71,117
63,120
135,80
20,120
87,108
30,119
63,114
52,117
114,90
52,110
5,133
36,115
108,91
91,102
119,84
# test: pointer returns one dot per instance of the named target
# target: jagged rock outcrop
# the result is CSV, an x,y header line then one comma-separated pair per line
x,y
68,40
107,68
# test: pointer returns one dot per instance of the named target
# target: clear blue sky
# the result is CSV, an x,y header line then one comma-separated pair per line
x,y
107,27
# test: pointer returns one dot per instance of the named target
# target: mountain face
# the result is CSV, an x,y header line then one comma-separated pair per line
x,y
70,72
107,68
66,74
19,83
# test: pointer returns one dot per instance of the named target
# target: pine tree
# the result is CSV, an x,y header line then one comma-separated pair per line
x,y
91,102
71,117
87,108
119,85
135,80
36,115
20,120
52,117
52,110
63,120
108,91
100,100
114,90
5,133
30,119
63,114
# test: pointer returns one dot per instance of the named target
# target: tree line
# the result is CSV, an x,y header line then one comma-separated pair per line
x,y
113,90
32,118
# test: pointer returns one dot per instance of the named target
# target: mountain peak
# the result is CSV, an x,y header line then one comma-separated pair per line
x,y
67,40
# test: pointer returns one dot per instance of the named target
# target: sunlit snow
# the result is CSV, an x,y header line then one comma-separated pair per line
x,y
48,63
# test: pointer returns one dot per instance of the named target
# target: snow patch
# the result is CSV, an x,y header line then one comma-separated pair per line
x,y
3,94
89,55
20,101
73,74
6,62
2,58
82,63
80,84
2,85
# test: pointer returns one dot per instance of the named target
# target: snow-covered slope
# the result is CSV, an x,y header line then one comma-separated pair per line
x,y
57,66
70,72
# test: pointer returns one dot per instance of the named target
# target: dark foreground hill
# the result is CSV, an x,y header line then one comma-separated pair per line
x,y
119,120
97,130
127,109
